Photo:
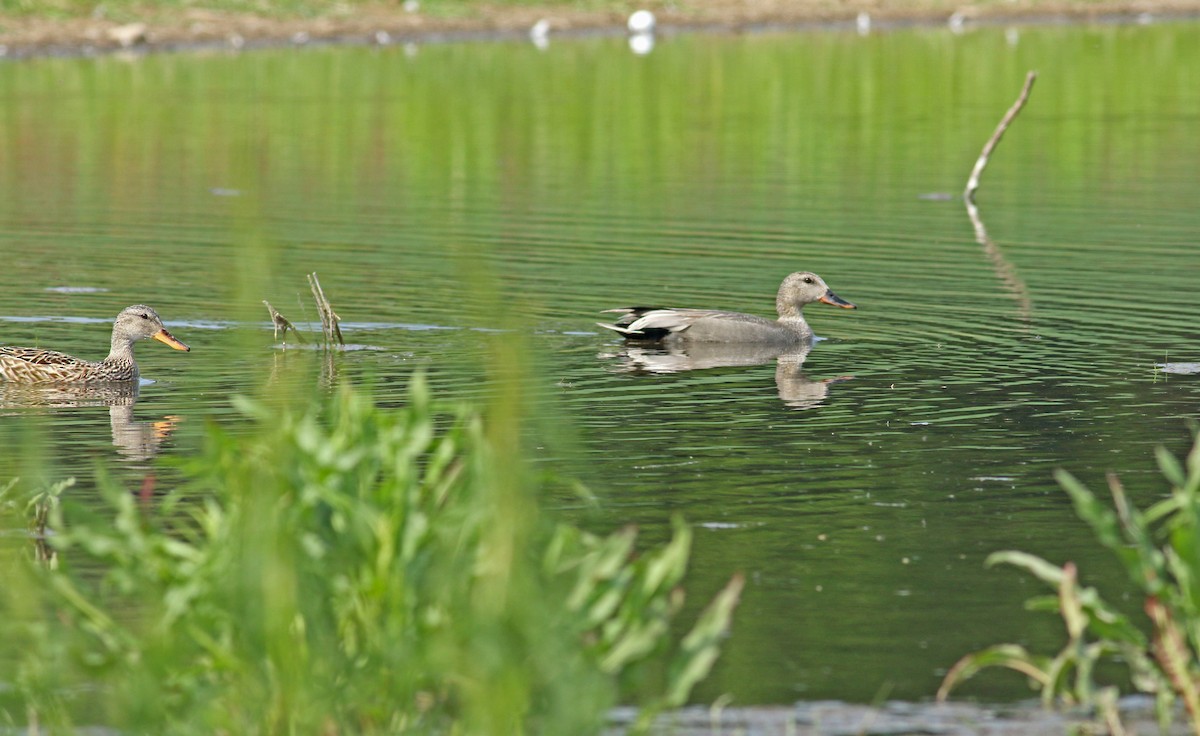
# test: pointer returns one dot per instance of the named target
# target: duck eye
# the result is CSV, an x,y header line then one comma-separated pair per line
x,y
143,315
807,280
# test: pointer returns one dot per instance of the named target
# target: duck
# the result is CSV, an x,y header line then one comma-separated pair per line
x,y
716,326
35,365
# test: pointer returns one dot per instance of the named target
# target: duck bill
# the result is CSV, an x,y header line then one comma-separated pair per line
x,y
167,338
835,300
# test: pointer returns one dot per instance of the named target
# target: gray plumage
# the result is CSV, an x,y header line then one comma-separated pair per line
x,y
718,326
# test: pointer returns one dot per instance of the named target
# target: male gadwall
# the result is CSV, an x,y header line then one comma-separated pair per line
x,y
34,365
711,325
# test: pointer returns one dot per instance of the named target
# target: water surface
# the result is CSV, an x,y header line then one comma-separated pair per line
x,y
475,192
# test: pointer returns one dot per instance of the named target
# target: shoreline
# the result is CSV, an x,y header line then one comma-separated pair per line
x,y
958,717
159,31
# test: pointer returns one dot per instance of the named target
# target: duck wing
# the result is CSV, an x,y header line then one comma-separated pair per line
x,y
32,365
655,323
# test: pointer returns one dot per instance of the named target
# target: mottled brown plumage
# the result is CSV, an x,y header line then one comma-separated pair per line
x,y
34,365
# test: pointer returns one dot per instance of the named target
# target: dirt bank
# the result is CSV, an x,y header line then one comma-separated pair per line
x,y
396,22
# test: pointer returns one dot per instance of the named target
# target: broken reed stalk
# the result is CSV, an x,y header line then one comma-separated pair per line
x,y
281,324
982,161
329,318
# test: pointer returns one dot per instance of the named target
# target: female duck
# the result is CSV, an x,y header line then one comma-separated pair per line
x,y
715,326
34,365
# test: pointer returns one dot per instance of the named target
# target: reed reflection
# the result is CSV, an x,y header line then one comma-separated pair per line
x,y
1005,271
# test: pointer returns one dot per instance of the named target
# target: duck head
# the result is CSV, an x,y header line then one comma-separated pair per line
x,y
139,322
805,287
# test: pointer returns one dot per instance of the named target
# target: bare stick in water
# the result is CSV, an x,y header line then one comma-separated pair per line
x,y
329,318
982,161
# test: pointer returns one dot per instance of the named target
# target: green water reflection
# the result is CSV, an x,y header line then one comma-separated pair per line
x,y
584,177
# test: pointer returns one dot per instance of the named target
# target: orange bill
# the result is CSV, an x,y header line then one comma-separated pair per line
x,y
837,301
165,337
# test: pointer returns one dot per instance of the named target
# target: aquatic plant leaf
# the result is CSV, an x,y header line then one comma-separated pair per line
x,y
1057,673
1181,563
1176,659
1099,516
250,408
1170,466
701,646
1108,625
635,642
1042,603
1103,621
666,567
1191,486
1145,561
1069,605
1114,530
1039,568
1011,656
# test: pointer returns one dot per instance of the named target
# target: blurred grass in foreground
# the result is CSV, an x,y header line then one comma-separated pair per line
x,y
344,569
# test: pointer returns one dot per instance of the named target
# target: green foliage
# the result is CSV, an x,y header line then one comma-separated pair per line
x,y
1160,550
350,570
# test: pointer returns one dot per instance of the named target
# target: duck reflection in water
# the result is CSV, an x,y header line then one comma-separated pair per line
x,y
135,441
668,340
796,390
